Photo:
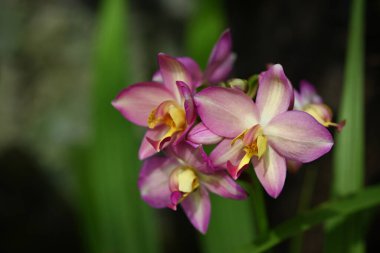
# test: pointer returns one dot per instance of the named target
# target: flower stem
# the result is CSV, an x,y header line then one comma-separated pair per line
x,y
259,208
304,204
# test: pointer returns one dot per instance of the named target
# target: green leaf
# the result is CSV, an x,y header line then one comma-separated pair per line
x,y
359,201
115,217
345,233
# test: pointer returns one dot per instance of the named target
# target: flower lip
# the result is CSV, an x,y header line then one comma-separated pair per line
x,y
255,144
182,181
168,113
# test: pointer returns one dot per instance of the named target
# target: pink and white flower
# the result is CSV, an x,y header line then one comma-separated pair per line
x,y
184,177
265,132
309,101
166,107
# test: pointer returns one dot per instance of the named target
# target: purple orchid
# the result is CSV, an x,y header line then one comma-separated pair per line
x,y
183,177
264,132
166,107
309,101
219,64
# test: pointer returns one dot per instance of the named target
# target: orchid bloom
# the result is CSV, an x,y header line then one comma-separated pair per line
x,y
264,132
166,108
183,177
219,64
309,101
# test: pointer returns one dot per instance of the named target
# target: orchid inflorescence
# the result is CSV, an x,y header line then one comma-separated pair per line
x,y
262,121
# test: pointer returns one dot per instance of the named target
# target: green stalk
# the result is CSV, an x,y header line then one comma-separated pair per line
x,y
305,198
259,208
345,234
360,201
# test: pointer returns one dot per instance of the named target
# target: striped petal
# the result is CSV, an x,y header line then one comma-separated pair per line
x,y
226,112
225,152
194,70
223,185
298,136
188,102
200,134
194,157
275,93
271,171
172,71
137,101
221,59
309,93
154,181
148,149
197,208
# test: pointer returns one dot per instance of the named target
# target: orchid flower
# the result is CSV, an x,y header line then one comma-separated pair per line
x,y
166,108
264,132
309,101
183,177
219,64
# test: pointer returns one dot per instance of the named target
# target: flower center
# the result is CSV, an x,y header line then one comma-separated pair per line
x,y
255,144
168,114
182,181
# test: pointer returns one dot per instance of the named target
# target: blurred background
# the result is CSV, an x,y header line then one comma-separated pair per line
x,y
68,160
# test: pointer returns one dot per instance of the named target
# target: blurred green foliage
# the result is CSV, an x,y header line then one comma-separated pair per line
x,y
362,200
115,216
345,234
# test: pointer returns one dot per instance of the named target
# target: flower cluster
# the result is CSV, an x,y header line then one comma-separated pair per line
x,y
264,122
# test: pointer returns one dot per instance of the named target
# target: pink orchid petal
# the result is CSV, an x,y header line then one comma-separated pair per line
x,y
222,48
222,184
160,144
275,93
194,70
137,101
226,112
221,59
172,71
181,136
194,157
298,136
157,77
225,152
271,171
188,103
234,170
197,208
219,72
298,101
175,198
200,134
150,144
154,181
309,93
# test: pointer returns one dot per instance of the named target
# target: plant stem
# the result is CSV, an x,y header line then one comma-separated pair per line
x,y
259,208
304,204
